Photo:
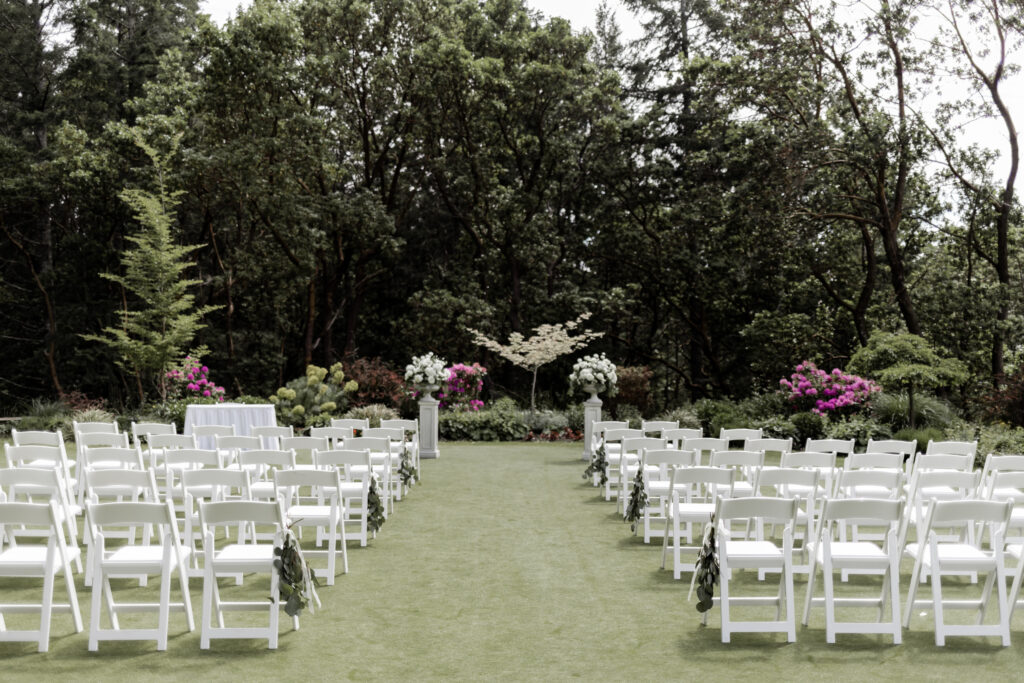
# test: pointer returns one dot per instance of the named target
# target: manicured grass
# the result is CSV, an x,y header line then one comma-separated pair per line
x,y
505,564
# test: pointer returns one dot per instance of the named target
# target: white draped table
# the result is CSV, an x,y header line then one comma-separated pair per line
x,y
243,416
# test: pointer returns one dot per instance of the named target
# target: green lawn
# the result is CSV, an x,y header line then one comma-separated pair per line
x,y
505,564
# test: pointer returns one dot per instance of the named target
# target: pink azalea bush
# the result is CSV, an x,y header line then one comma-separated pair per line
x,y
191,380
461,390
824,393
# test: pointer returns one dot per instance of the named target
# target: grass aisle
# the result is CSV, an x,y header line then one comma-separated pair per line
x,y
504,564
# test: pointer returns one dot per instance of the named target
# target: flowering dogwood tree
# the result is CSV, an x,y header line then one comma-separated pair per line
x,y
548,343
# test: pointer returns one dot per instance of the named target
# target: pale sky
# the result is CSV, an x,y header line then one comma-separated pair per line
x,y
580,13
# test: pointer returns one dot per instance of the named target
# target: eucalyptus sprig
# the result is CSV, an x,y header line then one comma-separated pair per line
x,y
374,507
637,500
406,471
598,465
706,571
296,579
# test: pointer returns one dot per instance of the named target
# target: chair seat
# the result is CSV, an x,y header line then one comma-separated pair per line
x,y
310,514
245,552
740,551
693,512
854,555
954,555
25,557
138,557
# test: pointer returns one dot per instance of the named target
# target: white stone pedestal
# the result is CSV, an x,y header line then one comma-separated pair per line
x,y
591,414
428,425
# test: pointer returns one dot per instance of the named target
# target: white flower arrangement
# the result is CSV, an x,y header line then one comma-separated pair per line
x,y
594,370
426,369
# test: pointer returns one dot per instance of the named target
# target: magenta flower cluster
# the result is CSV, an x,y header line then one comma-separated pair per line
x,y
461,390
192,378
822,392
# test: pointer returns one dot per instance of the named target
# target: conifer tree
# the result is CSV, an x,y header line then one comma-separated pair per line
x,y
159,319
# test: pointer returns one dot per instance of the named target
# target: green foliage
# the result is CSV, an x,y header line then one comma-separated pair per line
x,y
893,409
374,412
313,399
778,427
574,417
858,428
161,320
906,360
808,426
715,415
684,415
501,421
629,413
45,415
921,436
544,420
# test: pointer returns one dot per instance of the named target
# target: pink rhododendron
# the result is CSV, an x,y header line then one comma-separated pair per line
x,y
461,389
805,387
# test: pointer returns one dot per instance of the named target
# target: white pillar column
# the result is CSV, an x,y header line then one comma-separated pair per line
x,y
591,414
428,426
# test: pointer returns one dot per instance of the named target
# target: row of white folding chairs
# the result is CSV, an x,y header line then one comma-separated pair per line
x,y
164,558
935,556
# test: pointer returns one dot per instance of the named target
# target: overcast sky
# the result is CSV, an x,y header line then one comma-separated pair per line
x,y
580,13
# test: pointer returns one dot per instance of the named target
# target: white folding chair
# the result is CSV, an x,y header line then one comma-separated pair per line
x,y
39,456
703,445
937,558
906,449
996,464
323,508
835,446
303,447
656,427
802,485
411,441
739,434
629,464
164,559
53,439
239,558
769,445
832,553
104,458
351,423
747,464
270,435
380,457
209,486
207,435
335,435
158,444
37,561
230,446
693,492
353,468
758,553
658,467
396,446
674,438
37,485
260,465
141,431
613,456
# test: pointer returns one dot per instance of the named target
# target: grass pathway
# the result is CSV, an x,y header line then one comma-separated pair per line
x,y
504,564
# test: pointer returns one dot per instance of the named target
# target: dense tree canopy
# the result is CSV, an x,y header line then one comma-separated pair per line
x,y
749,185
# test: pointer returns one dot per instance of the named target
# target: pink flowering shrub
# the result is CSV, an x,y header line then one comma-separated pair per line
x,y
825,393
191,381
461,390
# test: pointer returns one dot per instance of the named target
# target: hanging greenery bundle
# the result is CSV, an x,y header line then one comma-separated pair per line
x,y
637,500
706,571
374,507
406,470
296,580
598,465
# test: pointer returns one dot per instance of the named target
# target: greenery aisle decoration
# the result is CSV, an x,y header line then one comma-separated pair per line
x,y
599,464
296,584
406,470
637,500
374,507
706,571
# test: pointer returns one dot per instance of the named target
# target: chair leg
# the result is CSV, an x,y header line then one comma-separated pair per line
x,y
164,615
940,629
208,577
830,605
46,608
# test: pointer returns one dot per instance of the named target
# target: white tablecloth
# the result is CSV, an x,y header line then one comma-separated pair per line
x,y
243,416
